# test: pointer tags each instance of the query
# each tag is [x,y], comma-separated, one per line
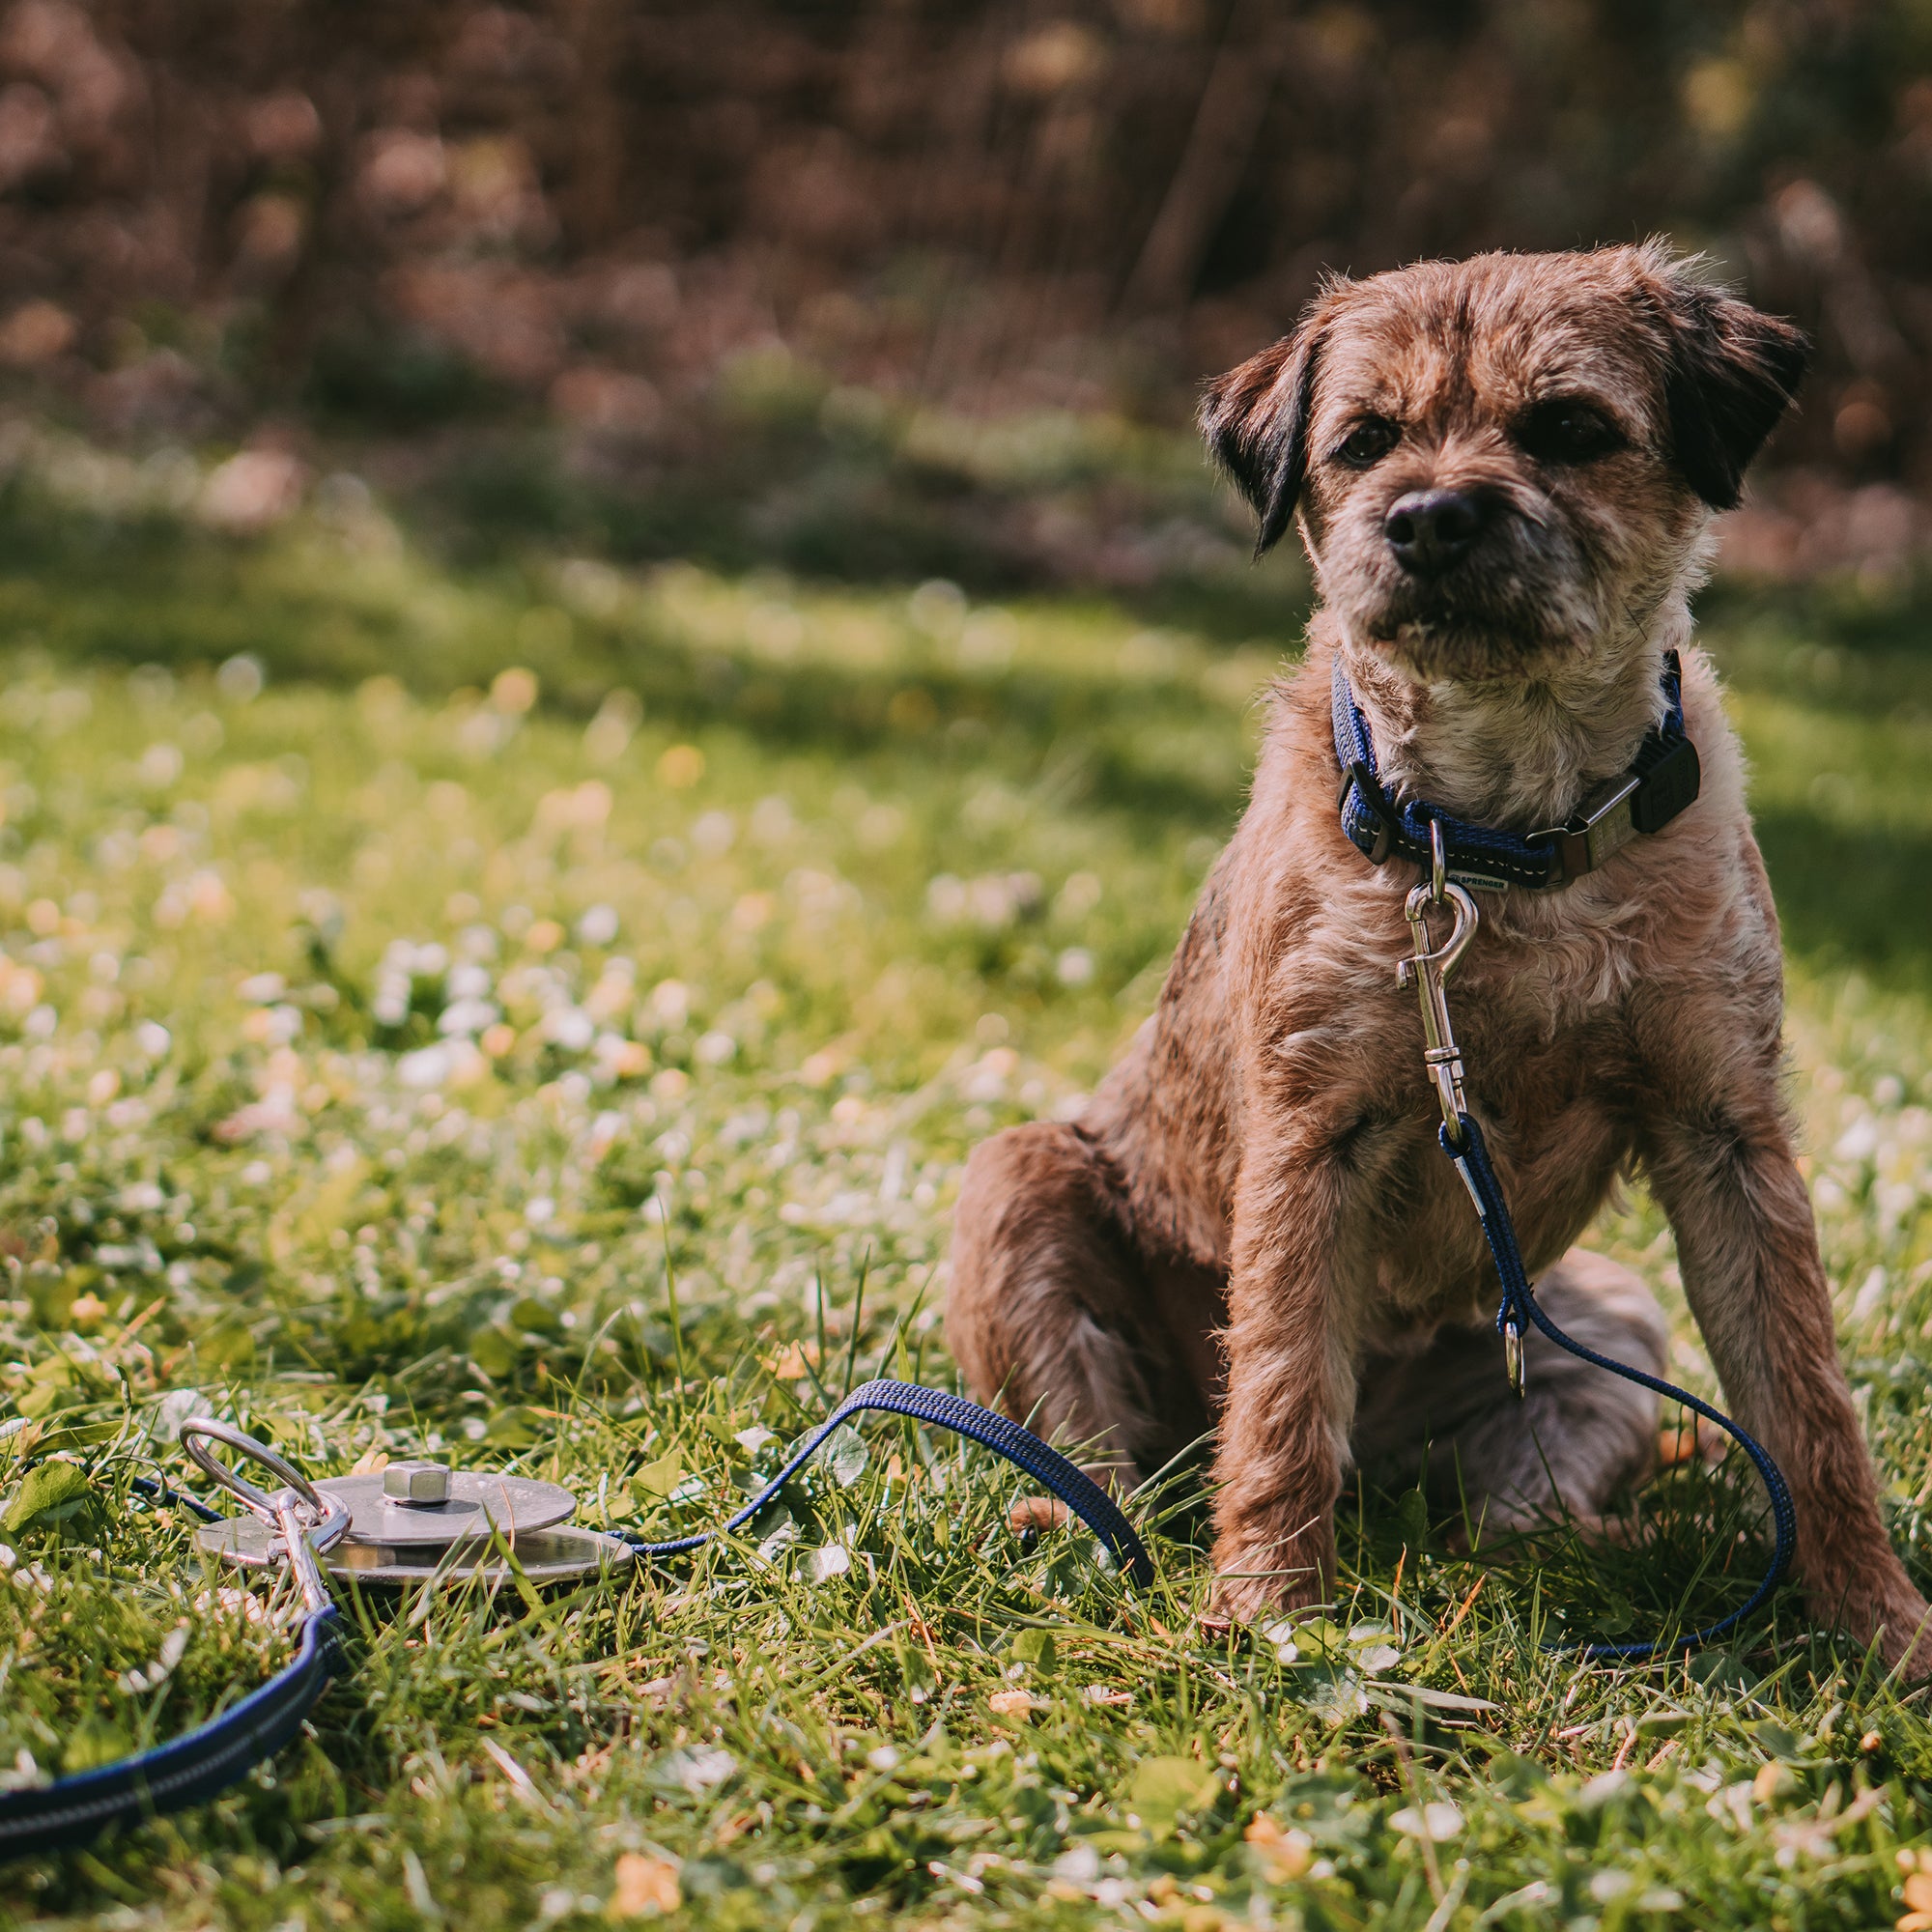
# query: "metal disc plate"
[478,1503]
[554,1555]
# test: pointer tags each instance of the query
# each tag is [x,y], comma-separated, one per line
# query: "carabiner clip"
[1513,1359]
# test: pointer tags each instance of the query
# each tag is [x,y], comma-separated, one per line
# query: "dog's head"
[1501,461]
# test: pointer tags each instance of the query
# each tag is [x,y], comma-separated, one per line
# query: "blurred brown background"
[911,285]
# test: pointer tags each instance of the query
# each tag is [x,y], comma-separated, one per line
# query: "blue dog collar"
[1660,782]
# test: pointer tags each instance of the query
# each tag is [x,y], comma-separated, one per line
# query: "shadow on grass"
[1046,504]
[1849,901]
[155,592]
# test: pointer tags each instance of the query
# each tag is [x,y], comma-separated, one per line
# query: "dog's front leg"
[1283,1427]
[1722,1169]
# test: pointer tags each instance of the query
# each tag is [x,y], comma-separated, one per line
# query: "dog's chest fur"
[1282,1037]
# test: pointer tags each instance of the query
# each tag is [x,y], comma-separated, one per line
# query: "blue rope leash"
[204,1761]
[185,1769]
[1519,1303]
[1046,1465]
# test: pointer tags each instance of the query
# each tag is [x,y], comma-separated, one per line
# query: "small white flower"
[570,1028]
[697,1770]
[468,1017]
[829,1560]
[1439,1821]
[598,926]
[428,1067]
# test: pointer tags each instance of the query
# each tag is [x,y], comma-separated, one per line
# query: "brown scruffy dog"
[1503,471]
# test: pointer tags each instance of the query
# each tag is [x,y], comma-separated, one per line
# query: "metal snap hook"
[1428,970]
[1438,861]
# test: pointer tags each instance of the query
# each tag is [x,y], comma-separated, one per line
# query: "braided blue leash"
[202,1762]
[1046,1465]
[1520,1304]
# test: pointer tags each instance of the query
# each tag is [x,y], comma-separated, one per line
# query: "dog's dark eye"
[1369,441]
[1568,432]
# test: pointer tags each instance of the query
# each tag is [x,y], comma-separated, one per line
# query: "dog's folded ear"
[1256,422]
[1732,371]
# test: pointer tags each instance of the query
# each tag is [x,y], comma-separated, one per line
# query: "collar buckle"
[1602,826]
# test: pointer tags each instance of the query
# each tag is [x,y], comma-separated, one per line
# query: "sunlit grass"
[411,978]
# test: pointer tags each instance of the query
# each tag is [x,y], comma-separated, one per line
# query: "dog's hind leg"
[1578,1433]
[1050,1311]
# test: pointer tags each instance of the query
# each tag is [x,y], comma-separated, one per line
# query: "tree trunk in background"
[1220,145]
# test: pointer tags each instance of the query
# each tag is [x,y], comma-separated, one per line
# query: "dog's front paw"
[1247,1600]
[1882,1605]
[1906,1636]
[1255,1582]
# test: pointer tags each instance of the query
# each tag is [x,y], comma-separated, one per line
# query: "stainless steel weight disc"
[416,1520]
[466,1504]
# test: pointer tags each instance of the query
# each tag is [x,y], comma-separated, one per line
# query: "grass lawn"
[569,1068]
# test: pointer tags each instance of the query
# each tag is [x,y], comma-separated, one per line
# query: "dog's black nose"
[1429,530]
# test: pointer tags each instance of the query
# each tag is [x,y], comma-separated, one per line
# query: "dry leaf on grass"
[645,1885]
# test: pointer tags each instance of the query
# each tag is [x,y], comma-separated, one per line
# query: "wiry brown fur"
[1251,1221]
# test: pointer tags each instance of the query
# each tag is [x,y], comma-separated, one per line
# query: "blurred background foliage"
[911,287]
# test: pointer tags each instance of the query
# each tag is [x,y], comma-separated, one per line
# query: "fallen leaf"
[793,1365]
[831,1559]
[644,1886]
[845,1454]
[1285,1855]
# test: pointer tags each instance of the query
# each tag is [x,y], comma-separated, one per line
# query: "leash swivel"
[1428,969]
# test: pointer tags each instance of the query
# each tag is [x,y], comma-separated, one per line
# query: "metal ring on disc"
[238,1484]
